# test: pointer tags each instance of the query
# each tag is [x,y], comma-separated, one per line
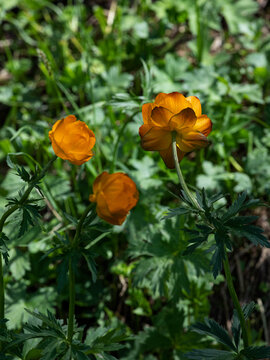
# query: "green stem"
[199,33]
[2,294]
[3,219]
[71,300]
[74,243]
[180,175]
[80,224]
[235,300]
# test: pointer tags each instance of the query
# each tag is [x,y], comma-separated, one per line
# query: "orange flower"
[72,140]
[174,113]
[115,194]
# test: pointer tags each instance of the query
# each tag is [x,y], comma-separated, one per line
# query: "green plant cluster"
[144,290]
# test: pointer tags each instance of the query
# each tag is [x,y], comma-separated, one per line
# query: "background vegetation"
[101,61]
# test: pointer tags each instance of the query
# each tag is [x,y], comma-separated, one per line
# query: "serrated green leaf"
[256,352]
[175,212]
[193,244]
[30,216]
[23,174]
[239,221]
[252,233]
[215,198]
[236,327]
[210,354]
[235,207]
[212,328]
[248,309]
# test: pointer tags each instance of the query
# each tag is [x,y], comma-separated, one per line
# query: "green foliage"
[223,227]
[144,283]
[211,328]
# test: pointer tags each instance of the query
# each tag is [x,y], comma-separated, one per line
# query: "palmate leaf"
[53,342]
[48,320]
[212,328]
[256,352]
[210,354]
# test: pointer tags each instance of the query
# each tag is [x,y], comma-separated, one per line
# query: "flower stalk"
[74,243]
[225,261]
[180,175]
[235,300]
[71,300]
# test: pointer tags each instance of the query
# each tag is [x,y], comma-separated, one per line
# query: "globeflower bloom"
[174,113]
[72,140]
[115,194]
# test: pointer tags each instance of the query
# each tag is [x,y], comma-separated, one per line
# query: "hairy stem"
[71,300]
[180,175]
[235,300]
[71,279]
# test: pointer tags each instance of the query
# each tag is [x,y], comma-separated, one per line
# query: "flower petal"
[191,140]
[167,156]
[196,104]
[104,213]
[146,112]
[156,139]
[161,116]
[174,102]
[185,119]
[203,124]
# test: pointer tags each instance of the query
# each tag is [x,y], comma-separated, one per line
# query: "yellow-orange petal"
[99,181]
[175,102]
[79,159]
[167,157]
[156,139]
[146,112]
[160,116]
[104,213]
[59,128]
[203,124]
[144,129]
[57,150]
[185,119]
[191,140]
[196,104]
